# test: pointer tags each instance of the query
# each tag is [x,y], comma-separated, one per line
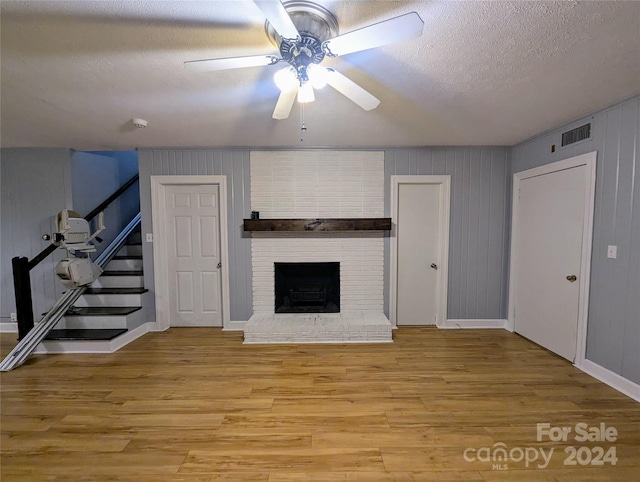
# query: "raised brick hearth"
[347,327]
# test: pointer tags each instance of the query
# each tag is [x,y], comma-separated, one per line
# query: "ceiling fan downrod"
[315,25]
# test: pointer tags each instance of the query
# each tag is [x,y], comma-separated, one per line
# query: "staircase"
[110,306]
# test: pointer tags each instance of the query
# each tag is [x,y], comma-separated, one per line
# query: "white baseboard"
[234,326]
[51,347]
[473,324]
[10,327]
[612,379]
[131,335]
[315,342]
[156,327]
[449,324]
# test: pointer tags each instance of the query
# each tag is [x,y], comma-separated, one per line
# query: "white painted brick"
[320,184]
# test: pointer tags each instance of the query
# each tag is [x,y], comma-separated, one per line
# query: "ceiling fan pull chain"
[303,127]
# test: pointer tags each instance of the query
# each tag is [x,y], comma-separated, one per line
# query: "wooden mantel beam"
[326,224]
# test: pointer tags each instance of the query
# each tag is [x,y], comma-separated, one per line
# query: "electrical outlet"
[149,237]
[14,317]
[612,252]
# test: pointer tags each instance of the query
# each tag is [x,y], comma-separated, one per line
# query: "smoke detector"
[139,123]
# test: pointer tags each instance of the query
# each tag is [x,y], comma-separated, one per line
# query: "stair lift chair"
[74,235]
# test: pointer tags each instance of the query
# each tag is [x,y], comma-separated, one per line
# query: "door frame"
[588,160]
[444,182]
[160,264]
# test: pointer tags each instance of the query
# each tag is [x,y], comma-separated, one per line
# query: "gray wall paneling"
[479,228]
[233,163]
[35,186]
[613,329]
[94,177]
[478,282]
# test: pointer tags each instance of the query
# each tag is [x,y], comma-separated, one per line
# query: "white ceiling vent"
[576,135]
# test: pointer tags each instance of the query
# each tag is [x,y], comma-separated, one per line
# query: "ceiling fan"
[305,33]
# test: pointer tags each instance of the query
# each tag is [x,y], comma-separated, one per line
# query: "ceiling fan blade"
[395,29]
[285,103]
[351,90]
[278,18]
[231,63]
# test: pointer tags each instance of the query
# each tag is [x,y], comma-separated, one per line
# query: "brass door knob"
[572,278]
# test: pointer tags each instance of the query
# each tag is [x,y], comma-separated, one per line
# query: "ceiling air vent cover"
[576,135]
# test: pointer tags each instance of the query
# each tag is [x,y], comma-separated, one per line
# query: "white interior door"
[193,255]
[549,234]
[418,253]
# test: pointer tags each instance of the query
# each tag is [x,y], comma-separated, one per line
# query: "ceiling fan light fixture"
[305,33]
[305,93]
[317,76]
[286,79]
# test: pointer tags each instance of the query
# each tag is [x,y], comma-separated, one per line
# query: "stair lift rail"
[32,339]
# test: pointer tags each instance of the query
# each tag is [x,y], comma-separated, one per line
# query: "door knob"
[572,278]
[434,266]
[220,265]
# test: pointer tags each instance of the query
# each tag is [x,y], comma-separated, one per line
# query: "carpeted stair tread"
[83,334]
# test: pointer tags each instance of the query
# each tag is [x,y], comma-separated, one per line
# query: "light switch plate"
[612,252]
[149,237]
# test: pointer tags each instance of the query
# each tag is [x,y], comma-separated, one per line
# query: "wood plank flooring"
[195,405]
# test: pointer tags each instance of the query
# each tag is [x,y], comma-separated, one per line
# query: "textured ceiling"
[483,73]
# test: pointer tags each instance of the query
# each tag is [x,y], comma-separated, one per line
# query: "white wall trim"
[51,347]
[612,379]
[161,276]
[474,324]
[318,342]
[9,327]
[234,326]
[443,241]
[588,160]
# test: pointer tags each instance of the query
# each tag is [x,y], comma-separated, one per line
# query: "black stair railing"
[22,267]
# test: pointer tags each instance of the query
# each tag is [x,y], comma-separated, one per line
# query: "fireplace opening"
[307,287]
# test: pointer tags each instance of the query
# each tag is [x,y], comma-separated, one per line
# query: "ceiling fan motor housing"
[315,25]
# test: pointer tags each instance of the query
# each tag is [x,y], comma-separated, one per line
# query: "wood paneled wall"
[479,226]
[35,186]
[479,241]
[94,177]
[219,162]
[613,328]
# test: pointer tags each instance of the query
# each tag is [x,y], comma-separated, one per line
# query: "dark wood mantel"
[326,224]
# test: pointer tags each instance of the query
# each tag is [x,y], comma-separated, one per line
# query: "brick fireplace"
[319,184]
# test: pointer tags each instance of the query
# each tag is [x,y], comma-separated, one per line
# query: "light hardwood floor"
[196,405]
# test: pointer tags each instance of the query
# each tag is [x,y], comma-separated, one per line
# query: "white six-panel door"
[192,238]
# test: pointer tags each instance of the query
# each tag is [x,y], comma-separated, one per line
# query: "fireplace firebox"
[307,287]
